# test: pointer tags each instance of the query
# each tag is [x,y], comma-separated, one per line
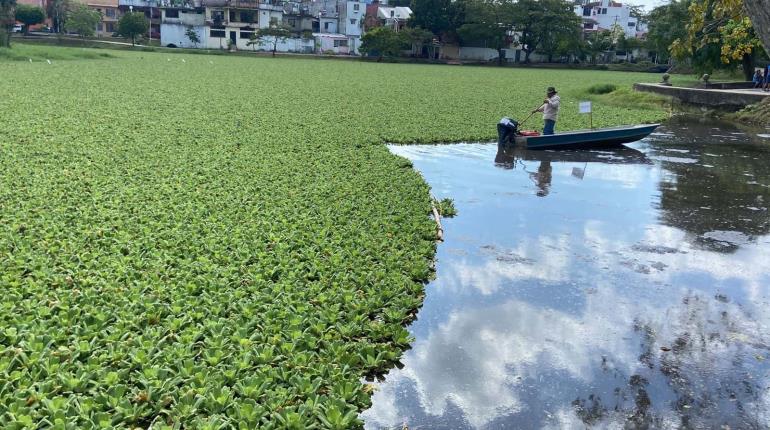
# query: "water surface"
[602,289]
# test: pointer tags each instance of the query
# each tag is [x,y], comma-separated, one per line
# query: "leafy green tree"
[133,24]
[599,43]
[665,26]
[192,36]
[273,34]
[418,38]
[573,46]
[440,17]
[58,10]
[382,41]
[29,15]
[540,24]
[558,23]
[7,20]
[82,20]
[488,23]
[718,33]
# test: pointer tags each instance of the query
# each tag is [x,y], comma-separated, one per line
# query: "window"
[172,13]
[632,24]
[588,26]
[355,6]
[353,21]
[340,43]
[110,13]
[99,27]
[326,26]
[110,27]
[217,15]
[604,11]
[247,16]
[232,16]
[216,33]
[392,14]
[246,34]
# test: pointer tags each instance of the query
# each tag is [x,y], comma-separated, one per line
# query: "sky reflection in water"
[605,289]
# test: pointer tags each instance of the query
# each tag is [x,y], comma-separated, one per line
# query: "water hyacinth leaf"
[195,251]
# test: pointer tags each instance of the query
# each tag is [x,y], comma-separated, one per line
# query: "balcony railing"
[239,4]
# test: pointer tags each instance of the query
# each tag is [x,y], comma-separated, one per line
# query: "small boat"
[594,138]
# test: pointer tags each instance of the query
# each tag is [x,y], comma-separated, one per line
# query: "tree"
[718,32]
[541,23]
[192,35]
[573,46]
[82,20]
[273,34]
[665,26]
[440,17]
[598,43]
[418,38]
[759,13]
[7,20]
[133,24]
[58,10]
[382,41]
[558,22]
[29,15]
[488,23]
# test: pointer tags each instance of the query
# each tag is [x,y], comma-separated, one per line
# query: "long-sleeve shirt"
[550,108]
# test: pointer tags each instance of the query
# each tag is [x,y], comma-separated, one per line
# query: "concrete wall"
[174,34]
[305,46]
[477,54]
[723,99]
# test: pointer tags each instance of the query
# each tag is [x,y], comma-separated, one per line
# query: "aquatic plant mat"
[211,242]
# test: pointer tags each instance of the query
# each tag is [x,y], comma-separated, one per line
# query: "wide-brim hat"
[551,90]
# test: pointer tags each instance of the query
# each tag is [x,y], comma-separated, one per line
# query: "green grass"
[225,241]
[602,89]
[25,52]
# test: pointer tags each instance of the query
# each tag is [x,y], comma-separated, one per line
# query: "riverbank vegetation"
[212,241]
[27,52]
[756,114]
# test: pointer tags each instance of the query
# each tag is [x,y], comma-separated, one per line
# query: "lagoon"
[605,289]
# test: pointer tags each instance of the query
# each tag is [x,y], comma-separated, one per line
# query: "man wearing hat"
[550,109]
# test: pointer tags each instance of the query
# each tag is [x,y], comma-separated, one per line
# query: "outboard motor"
[507,128]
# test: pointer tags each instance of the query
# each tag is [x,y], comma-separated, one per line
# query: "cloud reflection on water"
[582,308]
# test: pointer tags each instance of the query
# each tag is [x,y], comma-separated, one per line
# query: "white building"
[602,15]
[319,26]
[394,17]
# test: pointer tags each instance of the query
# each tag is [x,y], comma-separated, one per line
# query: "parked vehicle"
[18,28]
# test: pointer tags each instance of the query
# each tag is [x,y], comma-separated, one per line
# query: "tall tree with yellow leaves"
[720,24]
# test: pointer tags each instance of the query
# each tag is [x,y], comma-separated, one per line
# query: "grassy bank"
[26,52]
[757,114]
[211,241]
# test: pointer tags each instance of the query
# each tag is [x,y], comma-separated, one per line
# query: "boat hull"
[597,138]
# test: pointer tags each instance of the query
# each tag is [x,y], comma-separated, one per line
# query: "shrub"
[602,88]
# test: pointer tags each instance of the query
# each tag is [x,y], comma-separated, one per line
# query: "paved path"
[732,99]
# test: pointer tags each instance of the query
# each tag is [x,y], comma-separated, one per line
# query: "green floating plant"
[197,245]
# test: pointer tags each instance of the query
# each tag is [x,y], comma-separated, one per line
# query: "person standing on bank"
[550,110]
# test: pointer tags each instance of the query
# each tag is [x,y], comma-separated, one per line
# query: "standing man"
[767,77]
[550,109]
